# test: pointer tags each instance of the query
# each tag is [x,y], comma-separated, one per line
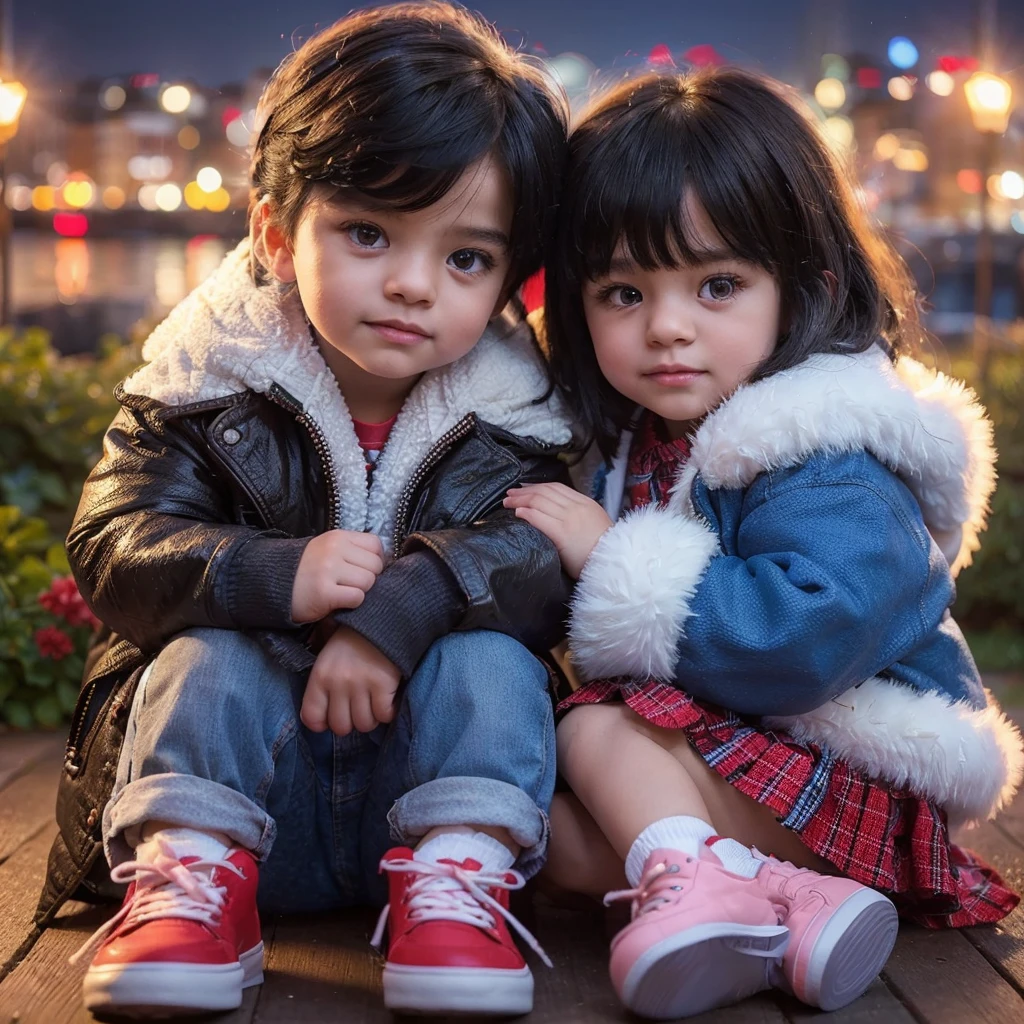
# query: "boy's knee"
[481,661]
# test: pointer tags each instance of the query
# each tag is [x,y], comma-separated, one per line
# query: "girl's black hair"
[771,188]
[395,103]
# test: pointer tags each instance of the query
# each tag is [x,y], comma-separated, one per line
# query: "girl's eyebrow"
[488,235]
[627,265]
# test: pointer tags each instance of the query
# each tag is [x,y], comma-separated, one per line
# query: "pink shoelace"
[449,892]
[645,897]
[165,888]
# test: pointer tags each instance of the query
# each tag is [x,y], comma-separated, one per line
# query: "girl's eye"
[367,236]
[718,288]
[471,261]
[620,295]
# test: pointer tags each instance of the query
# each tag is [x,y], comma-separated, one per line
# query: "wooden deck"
[322,968]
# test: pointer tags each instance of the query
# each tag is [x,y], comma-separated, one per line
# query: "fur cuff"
[634,594]
[967,760]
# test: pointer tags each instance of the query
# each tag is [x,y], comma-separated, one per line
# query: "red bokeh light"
[660,54]
[969,180]
[229,114]
[703,56]
[868,78]
[70,225]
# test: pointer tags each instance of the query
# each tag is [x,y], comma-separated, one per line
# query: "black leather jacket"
[197,515]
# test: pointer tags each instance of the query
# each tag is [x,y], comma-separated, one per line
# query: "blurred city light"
[1017,221]
[941,83]
[147,196]
[660,55]
[12,100]
[149,168]
[1011,184]
[901,88]
[113,197]
[840,131]
[989,98]
[969,181]
[19,197]
[910,159]
[44,198]
[195,197]
[209,179]
[886,146]
[167,197]
[572,70]
[78,192]
[56,173]
[869,78]
[70,225]
[834,66]
[113,97]
[902,52]
[175,99]
[830,94]
[237,133]
[218,201]
[188,137]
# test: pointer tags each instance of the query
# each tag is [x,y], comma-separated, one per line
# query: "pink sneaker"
[841,932]
[700,937]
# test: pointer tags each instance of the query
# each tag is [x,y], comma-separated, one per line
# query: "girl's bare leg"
[627,774]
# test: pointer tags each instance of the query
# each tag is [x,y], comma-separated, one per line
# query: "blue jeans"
[214,742]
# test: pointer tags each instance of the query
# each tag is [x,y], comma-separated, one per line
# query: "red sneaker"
[449,949]
[186,940]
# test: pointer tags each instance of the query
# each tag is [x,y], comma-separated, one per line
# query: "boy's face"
[392,294]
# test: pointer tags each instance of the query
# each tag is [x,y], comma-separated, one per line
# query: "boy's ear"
[272,246]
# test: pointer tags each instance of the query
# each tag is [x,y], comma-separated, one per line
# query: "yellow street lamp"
[990,99]
[12,102]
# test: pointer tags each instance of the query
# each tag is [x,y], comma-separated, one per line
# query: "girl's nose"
[671,324]
[411,281]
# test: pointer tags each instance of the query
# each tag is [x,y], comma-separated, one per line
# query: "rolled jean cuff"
[189,802]
[468,800]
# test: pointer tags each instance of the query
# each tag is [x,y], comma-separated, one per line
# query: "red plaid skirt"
[883,837]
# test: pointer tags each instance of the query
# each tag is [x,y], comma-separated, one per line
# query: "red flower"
[53,643]
[64,600]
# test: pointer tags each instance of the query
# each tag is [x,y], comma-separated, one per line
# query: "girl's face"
[679,341]
[394,294]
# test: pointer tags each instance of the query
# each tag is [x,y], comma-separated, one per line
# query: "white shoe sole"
[155,990]
[457,990]
[702,968]
[851,950]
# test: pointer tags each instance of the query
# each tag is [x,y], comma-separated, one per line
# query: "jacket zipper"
[440,448]
[71,766]
[280,397]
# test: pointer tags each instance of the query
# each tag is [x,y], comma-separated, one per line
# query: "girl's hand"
[351,686]
[573,522]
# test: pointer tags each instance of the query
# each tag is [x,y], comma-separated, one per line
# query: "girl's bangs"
[646,182]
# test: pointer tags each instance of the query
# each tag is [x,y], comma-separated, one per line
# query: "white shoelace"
[164,888]
[448,892]
[641,900]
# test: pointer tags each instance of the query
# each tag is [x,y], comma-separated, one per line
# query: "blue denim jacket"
[802,572]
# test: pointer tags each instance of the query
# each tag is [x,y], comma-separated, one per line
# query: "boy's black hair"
[770,187]
[395,103]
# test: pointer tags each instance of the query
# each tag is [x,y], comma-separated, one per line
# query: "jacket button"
[232,436]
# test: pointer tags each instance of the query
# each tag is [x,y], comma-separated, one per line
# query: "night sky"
[215,41]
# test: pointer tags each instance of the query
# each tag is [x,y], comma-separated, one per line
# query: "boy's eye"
[718,288]
[366,235]
[470,261]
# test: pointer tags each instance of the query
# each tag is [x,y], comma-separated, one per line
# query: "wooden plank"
[943,979]
[27,805]
[21,881]
[878,1005]
[44,988]
[20,750]
[321,968]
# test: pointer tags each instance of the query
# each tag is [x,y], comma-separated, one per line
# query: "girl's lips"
[399,335]
[674,377]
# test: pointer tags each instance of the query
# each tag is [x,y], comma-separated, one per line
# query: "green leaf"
[47,711]
[57,559]
[17,714]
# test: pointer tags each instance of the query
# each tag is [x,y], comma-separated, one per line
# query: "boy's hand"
[351,685]
[336,570]
[573,522]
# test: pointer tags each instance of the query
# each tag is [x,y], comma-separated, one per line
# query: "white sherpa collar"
[926,427]
[230,335]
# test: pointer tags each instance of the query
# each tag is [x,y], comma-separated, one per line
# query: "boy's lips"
[399,331]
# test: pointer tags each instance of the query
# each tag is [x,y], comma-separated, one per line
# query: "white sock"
[736,857]
[183,842]
[457,846]
[681,832]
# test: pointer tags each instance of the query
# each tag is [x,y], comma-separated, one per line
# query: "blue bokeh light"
[902,52]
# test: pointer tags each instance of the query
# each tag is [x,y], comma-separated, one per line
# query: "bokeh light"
[175,99]
[218,201]
[188,137]
[167,197]
[840,131]
[113,197]
[237,133]
[886,146]
[1017,221]
[209,179]
[941,83]
[830,94]
[901,88]
[78,192]
[834,66]
[147,196]
[1011,184]
[902,52]
[969,180]
[910,158]
[44,198]
[113,97]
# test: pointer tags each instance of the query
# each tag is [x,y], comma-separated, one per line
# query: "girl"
[299,508]
[766,630]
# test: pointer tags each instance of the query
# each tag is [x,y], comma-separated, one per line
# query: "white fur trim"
[927,428]
[968,760]
[634,594]
[230,335]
